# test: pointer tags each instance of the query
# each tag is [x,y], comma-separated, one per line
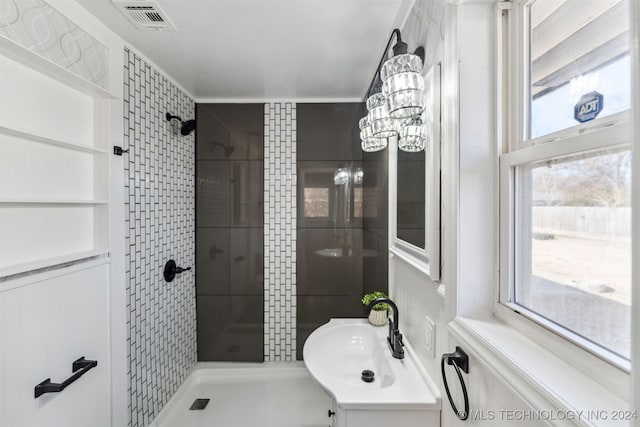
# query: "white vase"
[378,317]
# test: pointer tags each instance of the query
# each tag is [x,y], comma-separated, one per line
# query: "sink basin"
[336,354]
[337,253]
[330,252]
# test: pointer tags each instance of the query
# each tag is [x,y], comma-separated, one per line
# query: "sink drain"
[368,376]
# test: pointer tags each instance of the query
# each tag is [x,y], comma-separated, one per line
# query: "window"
[316,202]
[566,177]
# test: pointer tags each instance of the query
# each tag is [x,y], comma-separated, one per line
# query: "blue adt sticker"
[588,107]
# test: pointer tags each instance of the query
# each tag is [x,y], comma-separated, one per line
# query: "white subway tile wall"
[159,203]
[280,232]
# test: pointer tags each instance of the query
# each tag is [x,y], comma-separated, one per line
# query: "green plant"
[366,300]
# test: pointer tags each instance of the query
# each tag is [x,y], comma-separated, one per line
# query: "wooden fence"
[587,222]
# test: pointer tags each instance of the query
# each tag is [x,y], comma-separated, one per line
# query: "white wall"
[469,170]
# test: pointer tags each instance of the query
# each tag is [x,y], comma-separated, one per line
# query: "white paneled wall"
[417,297]
[280,180]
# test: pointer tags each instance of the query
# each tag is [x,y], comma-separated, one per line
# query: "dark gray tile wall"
[159,210]
[327,131]
[375,229]
[330,211]
[229,231]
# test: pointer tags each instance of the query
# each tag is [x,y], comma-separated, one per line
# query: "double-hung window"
[565,175]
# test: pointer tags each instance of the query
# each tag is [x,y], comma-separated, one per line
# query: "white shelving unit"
[52,202]
[47,262]
[54,164]
[19,133]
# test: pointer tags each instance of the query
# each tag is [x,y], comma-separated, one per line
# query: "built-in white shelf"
[50,262]
[53,202]
[19,53]
[55,165]
[20,133]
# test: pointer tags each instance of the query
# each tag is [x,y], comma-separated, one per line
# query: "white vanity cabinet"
[385,418]
[46,323]
[401,393]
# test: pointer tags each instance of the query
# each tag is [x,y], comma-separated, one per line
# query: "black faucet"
[395,337]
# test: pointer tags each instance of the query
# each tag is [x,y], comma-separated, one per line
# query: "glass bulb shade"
[358,176]
[403,81]
[365,128]
[341,176]
[405,104]
[369,142]
[407,62]
[363,124]
[413,137]
[382,126]
[376,100]
[373,144]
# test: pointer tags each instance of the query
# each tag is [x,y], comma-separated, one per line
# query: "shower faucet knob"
[171,269]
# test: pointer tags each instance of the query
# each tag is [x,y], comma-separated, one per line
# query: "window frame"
[517,149]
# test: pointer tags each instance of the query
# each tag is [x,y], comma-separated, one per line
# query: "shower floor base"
[248,395]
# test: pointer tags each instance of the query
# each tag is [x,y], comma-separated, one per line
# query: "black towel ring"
[459,360]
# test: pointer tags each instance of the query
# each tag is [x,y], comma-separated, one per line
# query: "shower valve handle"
[171,269]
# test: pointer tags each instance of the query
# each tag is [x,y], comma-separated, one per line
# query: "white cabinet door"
[46,324]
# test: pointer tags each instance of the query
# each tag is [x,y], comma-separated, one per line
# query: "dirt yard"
[595,266]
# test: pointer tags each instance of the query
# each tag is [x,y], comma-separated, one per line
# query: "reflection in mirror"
[411,198]
[331,196]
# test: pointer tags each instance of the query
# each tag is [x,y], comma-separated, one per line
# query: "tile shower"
[270,203]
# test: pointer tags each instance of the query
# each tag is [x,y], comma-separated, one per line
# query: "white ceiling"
[251,50]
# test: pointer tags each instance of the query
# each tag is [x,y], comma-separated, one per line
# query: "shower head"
[228,150]
[186,127]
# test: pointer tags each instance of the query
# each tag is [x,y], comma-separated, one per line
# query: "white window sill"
[539,377]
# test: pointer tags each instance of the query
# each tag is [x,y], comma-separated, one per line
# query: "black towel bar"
[79,367]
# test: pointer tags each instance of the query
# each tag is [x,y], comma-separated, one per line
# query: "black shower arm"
[170,117]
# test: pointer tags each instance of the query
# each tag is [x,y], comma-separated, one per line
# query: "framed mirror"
[414,181]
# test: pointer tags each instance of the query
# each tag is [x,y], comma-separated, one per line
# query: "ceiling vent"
[144,14]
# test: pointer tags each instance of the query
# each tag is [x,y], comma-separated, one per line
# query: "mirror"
[415,188]
[410,201]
